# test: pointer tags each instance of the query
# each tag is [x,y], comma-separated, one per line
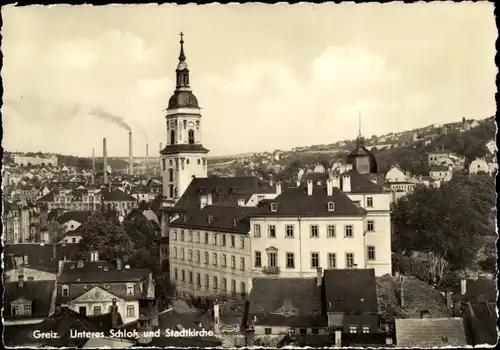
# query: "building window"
[183,275]
[190,255]
[370,225]
[332,260]
[315,331]
[190,237]
[272,259]
[331,206]
[331,231]
[130,311]
[207,281]
[314,231]
[289,231]
[314,260]
[97,310]
[31,278]
[268,331]
[197,237]
[274,207]
[206,258]
[182,253]
[242,242]
[349,260]
[182,235]
[233,262]
[206,237]
[198,280]
[191,277]
[174,252]
[353,329]
[171,175]
[366,329]
[185,124]
[198,256]
[243,288]
[256,230]
[370,253]
[233,286]
[176,274]
[272,231]
[224,260]
[223,240]
[348,231]
[290,261]
[27,310]
[258,261]
[369,202]
[233,242]
[215,239]
[199,161]
[242,264]
[214,259]
[215,282]
[65,291]
[174,234]
[191,136]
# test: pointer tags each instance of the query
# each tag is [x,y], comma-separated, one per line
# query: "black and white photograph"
[249,175]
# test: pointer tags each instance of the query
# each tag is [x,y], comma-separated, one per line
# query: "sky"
[266,76]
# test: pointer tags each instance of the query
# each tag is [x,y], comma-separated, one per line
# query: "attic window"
[105,268]
[72,266]
[185,217]
[210,219]
[107,286]
[274,207]
[99,266]
[86,287]
[236,222]
[331,206]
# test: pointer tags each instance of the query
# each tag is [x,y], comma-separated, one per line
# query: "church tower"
[361,159]
[184,157]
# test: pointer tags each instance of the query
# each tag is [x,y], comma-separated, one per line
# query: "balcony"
[271,270]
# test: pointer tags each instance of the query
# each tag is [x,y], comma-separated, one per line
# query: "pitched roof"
[78,216]
[116,196]
[361,183]
[94,271]
[351,290]
[287,301]
[482,289]
[38,292]
[296,201]
[43,255]
[430,332]
[224,190]
[222,219]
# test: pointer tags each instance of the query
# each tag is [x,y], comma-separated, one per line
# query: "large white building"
[36,160]
[218,233]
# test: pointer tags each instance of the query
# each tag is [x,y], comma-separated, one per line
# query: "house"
[92,287]
[479,165]
[430,332]
[492,146]
[71,220]
[27,302]
[440,173]
[73,236]
[351,300]
[280,306]
[120,201]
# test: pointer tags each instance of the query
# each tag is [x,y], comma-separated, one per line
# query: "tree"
[165,289]
[440,223]
[489,264]
[56,232]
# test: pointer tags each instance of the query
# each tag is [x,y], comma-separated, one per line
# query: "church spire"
[360,141]
[359,124]
[182,56]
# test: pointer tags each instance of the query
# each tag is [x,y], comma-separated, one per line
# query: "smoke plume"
[110,118]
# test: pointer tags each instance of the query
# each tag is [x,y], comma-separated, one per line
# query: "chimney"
[241,202]
[209,199]
[20,281]
[79,264]
[105,156]
[309,187]
[203,201]
[329,187]
[338,338]
[319,276]
[336,181]
[147,158]
[463,286]
[119,264]
[216,317]
[278,188]
[130,160]
[346,183]
[25,260]
[93,166]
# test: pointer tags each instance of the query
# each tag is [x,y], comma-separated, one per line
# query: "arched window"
[191,136]
[172,137]
[198,125]
[171,175]
[185,124]
[171,191]
[185,79]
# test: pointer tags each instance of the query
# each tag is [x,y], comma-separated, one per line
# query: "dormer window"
[210,219]
[130,289]
[331,206]
[274,207]
[236,222]
[65,291]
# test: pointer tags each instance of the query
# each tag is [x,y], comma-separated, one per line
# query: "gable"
[21,301]
[96,294]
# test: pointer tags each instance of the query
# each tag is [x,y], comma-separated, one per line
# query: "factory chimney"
[105,156]
[130,160]
[147,158]
[93,167]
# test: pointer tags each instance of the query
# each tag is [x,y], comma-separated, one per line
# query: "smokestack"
[130,165]
[105,156]
[93,167]
[147,158]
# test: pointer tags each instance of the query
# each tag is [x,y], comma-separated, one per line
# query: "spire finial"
[359,124]
[182,57]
